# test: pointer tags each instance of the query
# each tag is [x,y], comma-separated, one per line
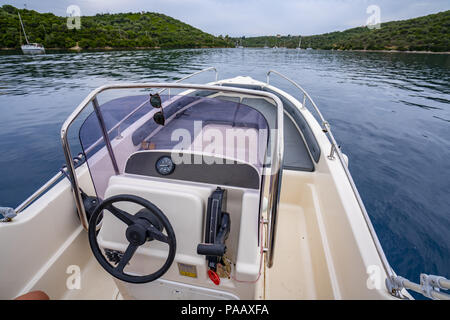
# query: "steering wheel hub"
[136,234]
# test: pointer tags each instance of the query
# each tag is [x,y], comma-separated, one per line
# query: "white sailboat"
[30,48]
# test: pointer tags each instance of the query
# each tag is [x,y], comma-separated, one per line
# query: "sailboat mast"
[20,35]
[23,28]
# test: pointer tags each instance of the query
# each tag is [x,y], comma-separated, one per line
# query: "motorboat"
[225,190]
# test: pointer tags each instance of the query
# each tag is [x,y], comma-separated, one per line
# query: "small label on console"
[187,270]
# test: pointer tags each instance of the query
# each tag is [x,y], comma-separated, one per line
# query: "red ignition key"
[214,277]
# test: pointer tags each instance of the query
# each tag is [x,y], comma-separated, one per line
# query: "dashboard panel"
[199,168]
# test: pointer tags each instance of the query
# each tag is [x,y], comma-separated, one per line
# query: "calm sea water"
[389,112]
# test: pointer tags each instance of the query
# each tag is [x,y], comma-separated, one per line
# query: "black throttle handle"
[211,249]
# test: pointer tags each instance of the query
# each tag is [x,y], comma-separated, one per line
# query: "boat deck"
[96,284]
[300,266]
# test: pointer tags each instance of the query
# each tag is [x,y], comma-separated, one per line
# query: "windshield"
[221,126]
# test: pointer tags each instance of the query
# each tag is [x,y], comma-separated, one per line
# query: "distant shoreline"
[351,50]
[74,49]
[399,51]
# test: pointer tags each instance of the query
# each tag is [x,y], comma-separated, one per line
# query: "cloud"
[253,17]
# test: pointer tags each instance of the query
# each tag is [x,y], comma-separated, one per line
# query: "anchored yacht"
[225,190]
[30,48]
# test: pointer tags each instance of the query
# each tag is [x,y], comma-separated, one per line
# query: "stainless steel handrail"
[276,164]
[335,149]
[194,74]
[105,134]
[39,192]
[325,125]
[116,126]
[301,89]
[430,286]
[55,178]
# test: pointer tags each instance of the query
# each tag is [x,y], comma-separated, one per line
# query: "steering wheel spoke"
[131,249]
[157,235]
[125,217]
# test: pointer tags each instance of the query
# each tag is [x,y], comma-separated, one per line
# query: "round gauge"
[165,165]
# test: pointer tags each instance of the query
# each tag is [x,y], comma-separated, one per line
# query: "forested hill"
[428,33]
[123,30]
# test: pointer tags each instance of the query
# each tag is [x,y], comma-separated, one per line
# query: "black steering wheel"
[146,225]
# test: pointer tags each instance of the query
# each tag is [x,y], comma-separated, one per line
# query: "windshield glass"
[221,126]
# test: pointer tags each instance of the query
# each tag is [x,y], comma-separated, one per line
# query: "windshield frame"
[278,147]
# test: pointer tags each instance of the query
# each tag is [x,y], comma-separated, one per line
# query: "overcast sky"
[253,17]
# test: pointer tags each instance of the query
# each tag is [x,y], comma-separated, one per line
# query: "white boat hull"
[30,49]
[324,248]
